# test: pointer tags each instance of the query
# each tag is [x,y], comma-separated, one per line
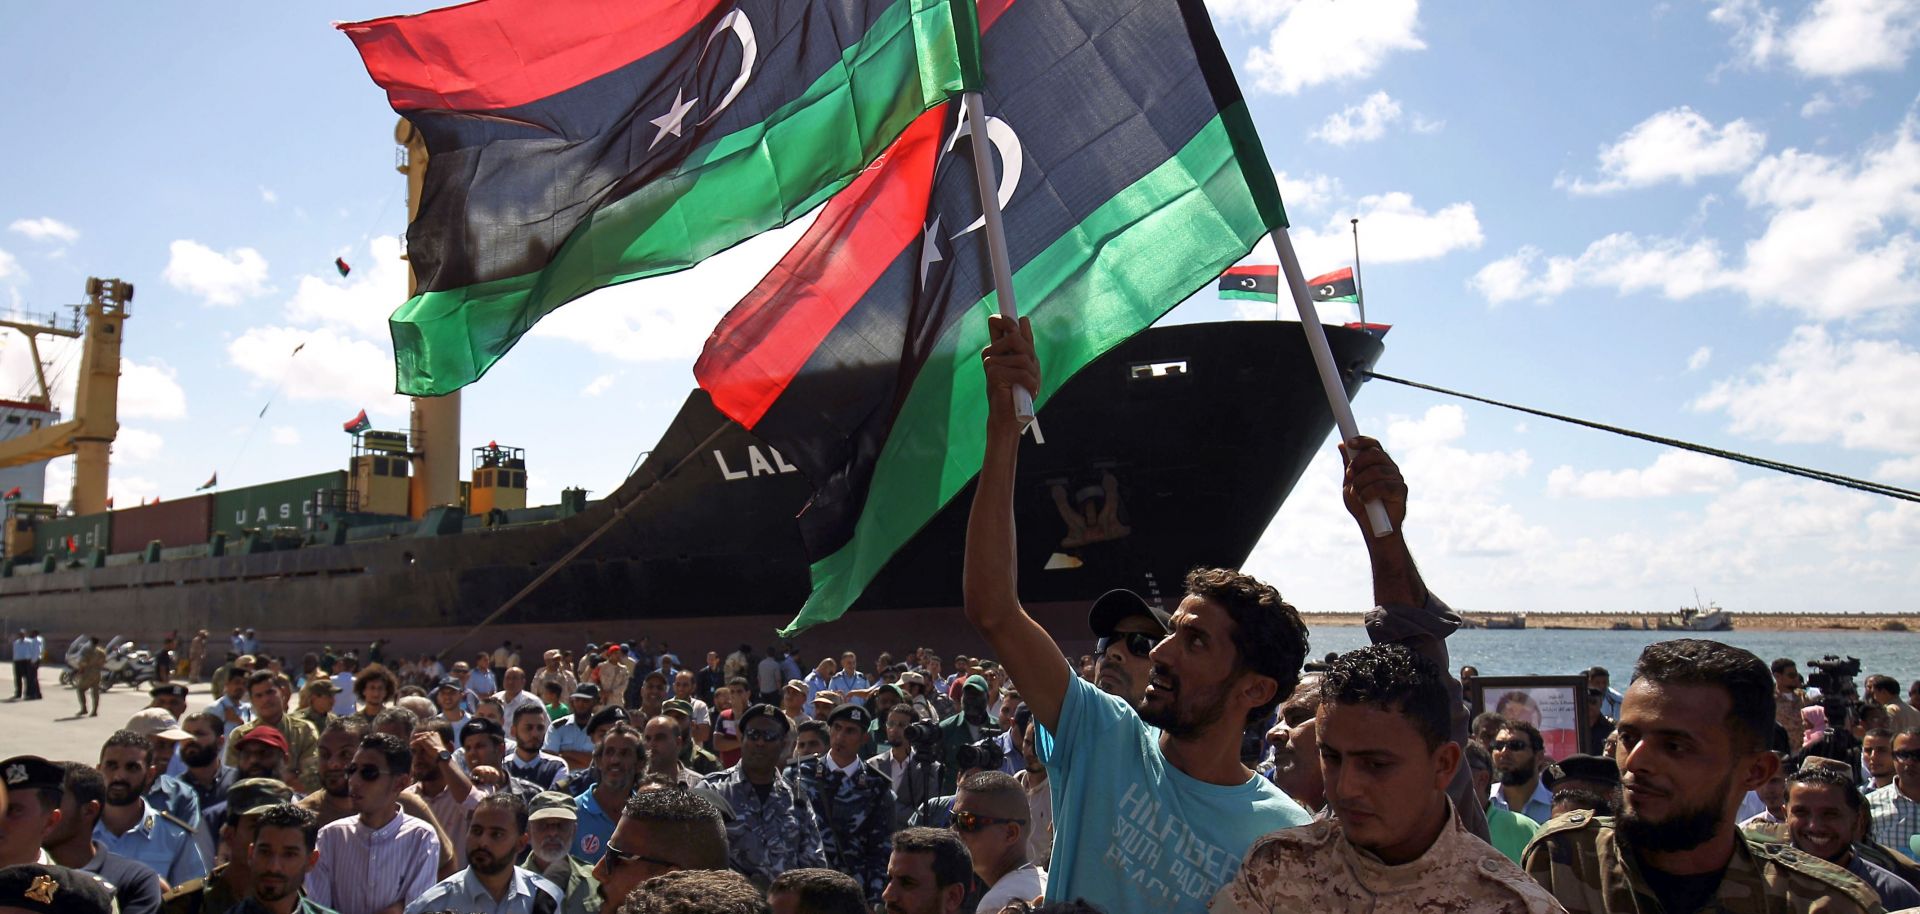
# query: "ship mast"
[435,433]
[89,434]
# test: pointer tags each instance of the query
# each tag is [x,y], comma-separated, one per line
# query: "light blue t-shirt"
[1133,834]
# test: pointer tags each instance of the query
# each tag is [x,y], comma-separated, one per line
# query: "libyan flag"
[1335,286]
[1130,177]
[1259,282]
[572,146]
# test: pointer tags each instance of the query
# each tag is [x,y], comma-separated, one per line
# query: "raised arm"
[991,584]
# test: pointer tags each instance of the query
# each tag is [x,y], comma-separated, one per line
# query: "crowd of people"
[1197,761]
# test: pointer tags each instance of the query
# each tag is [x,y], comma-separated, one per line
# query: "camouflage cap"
[252,796]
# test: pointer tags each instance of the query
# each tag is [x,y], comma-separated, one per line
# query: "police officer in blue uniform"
[131,827]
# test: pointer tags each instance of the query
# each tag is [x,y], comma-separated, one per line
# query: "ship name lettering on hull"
[756,464]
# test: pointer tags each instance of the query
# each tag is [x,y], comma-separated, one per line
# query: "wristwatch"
[445,756]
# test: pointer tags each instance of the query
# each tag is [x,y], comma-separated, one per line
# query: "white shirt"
[525,698]
[363,870]
[1028,882]
[463,892]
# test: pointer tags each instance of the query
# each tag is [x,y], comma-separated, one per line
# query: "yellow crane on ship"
[88,436]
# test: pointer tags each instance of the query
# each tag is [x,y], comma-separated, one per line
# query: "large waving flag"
[1130,177]
[576,145]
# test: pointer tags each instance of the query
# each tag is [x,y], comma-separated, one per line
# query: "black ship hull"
[1175,450]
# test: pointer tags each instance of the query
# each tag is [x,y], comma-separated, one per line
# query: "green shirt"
[1509,832]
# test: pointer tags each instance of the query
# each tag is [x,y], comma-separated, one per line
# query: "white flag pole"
[989,184]
[1323,360]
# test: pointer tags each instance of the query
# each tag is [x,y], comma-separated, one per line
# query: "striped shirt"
[1896,817]
[363,870]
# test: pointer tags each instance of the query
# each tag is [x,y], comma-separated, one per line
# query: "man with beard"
[164,791]
[1392,842]
[334,800]
[442,784]
[1127,629]
[172,697]
[83,793]
[282,854]
[484,745]
[1823,819]
[496,837]
[1896,807]
[270,710]
[568,737]
[1296,747]
[231,881]
[261,753]
[207,776]
[551,822]
[693,756]
[528,761]
[130,826]
[1516,759]
[660,832]
[376,861]
[773,828]
[618,760]
[1693,740]
[928,872]
[1507,831]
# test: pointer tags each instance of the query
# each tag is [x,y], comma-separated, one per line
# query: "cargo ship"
[1174,450]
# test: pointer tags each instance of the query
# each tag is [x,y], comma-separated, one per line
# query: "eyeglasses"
[1907,755]
[1511,745]
[969,823]
[1139,644]
[367,772]
[618,857]
[762,736]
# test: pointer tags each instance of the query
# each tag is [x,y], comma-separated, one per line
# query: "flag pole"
[1359,291]
[1323,360]
[989,184]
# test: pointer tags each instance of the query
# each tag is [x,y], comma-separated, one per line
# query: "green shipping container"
[287,503]
[51,536]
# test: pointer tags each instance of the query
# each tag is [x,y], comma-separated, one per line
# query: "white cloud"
[134,446]
[1307,193]
[131,491]
[1818,388]
[267,195]
[9,266]
[150,390]
[1321,41]
[1831,38]
[1839,242]
[286,435]
[1393,229]
[1905,469]
[1360,123]
[1423,124]
[669,317]
[363,300]
[1672,473]
[1822,102]
[334,367]
[1673,145]
[598,385]
[1700,358]
[46,228]
[219,279]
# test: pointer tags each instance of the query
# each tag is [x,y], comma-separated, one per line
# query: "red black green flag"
[1130,177]
[572,146]
[340,263]
[1335,286]
[1256,282]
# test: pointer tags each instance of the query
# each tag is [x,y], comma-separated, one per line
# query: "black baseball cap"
[482,726]
[172,688]
[849,711]
[1118,604]
[587,690]
[1582,767]
[765,710]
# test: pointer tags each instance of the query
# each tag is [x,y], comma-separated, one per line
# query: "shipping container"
[51,536]
[182,522]
[287,503]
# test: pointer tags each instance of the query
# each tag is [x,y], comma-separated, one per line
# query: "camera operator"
[1838,699]
[980,755]
[965,728]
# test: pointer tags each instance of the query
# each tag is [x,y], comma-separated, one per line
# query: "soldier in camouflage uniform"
[1692,743]
[854,802]
[773,829]
[1393,842]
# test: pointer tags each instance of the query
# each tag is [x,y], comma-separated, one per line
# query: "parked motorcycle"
[126,664]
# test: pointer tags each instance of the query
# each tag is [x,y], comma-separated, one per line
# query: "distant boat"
[1508,620]
[1708,618]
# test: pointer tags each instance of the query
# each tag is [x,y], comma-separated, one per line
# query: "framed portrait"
[1555,704]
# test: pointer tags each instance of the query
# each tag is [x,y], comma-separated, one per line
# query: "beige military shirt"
[1586,864]
[303,762]
[1315,868]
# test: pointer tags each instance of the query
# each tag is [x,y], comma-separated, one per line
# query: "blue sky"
[1695,218]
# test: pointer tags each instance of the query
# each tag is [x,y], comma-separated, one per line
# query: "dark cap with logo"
[1115,605]
[1581,768]
[768,711]
[31,772]
[253,796]
[481,726]
[849,711]
[43,889]
[170,689]
[587,690]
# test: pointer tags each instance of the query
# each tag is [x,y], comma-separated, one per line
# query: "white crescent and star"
[1013,158]
[674,121]
[1249,283]
[1326,291]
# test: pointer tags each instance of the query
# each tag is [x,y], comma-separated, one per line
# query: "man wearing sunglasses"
[660,832]
[377,861]
[1896,807]
[1127,629]
[993,820]
[1516,760]
[773,828]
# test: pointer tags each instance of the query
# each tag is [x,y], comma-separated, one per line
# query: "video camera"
[1833,676]
[923,734]
[985,755]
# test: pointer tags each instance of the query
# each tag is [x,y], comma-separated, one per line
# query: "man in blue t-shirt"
[1153,810]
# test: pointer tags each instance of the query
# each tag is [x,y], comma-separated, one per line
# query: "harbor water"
[1547,652]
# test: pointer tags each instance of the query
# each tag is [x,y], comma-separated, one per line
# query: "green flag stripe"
[1140,253]
[1238,295]
[752,180]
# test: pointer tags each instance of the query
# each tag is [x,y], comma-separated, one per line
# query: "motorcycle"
[126,664]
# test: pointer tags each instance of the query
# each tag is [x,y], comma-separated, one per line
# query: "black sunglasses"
[1138,643]
[617,857]
[368,772]
[1511,745]
[762,736]
[969,823]
[1908,755]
